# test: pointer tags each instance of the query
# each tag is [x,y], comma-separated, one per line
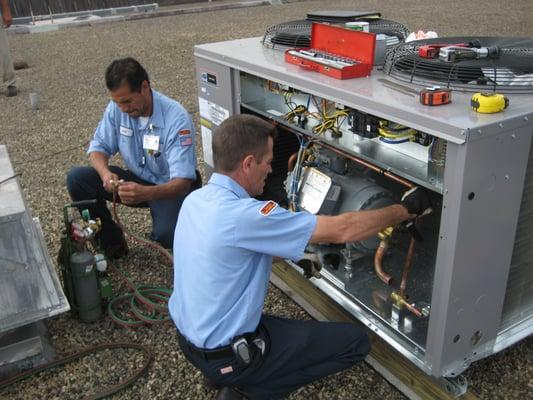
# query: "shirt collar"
[226,182]
[156,119]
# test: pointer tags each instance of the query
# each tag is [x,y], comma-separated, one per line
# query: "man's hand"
[110,181]
[132,193]
[417,202]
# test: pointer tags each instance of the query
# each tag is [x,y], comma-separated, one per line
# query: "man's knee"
[360,344]
[74,177]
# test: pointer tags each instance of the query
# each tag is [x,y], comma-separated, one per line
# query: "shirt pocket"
[157,165]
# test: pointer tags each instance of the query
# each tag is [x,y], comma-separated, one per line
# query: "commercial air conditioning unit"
[465,290]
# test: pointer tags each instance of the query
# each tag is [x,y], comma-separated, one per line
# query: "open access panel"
[462,292]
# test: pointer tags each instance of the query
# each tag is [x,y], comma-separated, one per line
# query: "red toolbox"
[336,51]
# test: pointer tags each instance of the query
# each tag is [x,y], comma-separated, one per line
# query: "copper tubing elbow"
[378,263]
[292,161]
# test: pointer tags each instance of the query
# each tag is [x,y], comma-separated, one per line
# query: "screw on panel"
[507,177]
[513,136]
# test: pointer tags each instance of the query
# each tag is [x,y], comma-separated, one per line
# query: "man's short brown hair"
[239,136]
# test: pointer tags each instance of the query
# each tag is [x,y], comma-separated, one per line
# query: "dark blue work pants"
[84,183]
[298,352]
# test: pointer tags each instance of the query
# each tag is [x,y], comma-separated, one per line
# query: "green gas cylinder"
[85,284]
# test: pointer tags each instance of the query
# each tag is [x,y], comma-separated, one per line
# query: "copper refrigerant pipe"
[292,161]
[378,263]
[370,166]
[407,266]
[402,302]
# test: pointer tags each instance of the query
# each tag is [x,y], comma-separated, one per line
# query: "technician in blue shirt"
[222,263]
[155,138]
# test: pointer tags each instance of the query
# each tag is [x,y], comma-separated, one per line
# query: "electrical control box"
[462,292]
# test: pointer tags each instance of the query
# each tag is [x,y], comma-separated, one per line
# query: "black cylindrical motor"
[86,292]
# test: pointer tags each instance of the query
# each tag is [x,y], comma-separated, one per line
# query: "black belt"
[207,354]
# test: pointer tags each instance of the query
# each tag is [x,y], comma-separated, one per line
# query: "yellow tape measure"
[489,103]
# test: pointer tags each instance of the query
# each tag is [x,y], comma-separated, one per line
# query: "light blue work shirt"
[120,133]
[223,247]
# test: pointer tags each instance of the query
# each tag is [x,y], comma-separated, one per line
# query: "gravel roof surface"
[66,69]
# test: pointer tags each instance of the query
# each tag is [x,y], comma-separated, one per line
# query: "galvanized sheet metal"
[29,286]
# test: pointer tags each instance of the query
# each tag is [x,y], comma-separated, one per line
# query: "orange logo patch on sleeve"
[184,132]
[268,208]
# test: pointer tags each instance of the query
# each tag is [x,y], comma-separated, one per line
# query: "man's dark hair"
[239,136]
[126,70]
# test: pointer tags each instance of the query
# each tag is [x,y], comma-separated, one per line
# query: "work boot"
[11,91]
[229,393]
[116,249]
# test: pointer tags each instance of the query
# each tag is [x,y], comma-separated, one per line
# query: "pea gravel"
[66,70]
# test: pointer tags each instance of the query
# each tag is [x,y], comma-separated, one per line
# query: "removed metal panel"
[29,286]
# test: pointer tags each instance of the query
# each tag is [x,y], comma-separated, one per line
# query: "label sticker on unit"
[207,136]
[314,190]
[211,111]
[268,208]
[209,77]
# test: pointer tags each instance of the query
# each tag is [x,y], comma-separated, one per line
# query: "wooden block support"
[317,303]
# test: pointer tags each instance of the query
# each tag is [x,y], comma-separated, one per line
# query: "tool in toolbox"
[336,51]
[489,103]
[430,96]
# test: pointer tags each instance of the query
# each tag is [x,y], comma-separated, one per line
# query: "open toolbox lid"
[344,42]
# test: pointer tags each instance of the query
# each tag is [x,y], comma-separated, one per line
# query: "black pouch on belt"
[242,350]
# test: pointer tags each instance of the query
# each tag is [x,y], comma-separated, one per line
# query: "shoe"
[229,393]
[117,249]
[210,385]
[20,65]
[11,91]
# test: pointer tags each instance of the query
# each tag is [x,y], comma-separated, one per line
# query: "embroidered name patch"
[185,140]
[268,208]
[184,132]
[126,131]
[226,370]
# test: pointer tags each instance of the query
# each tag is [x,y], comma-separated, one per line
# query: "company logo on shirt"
[184,132]
[185,140]
[268,208]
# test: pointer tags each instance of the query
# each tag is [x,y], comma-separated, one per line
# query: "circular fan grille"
[298,33]
[510,69]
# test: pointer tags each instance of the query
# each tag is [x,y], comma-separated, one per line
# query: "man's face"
[135,104]
[260,170]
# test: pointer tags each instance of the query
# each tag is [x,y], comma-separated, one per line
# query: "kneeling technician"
[155,138]
[222,263]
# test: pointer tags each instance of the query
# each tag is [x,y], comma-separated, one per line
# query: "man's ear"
[247,162]
[145,86]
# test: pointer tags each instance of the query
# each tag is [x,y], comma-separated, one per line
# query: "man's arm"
[360,225]
[99,161]
[357,225]
[6,13]
[135,193]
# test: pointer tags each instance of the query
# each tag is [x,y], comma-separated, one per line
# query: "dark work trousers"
[297,353]
[84,183]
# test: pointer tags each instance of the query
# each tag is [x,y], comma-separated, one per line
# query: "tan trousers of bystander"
[7,73]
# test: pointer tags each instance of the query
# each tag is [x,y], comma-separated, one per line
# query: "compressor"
[83,267]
